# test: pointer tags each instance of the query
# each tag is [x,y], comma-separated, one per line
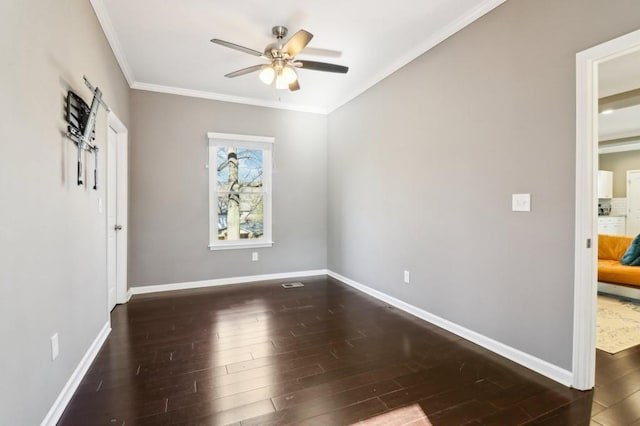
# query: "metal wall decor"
[81,121]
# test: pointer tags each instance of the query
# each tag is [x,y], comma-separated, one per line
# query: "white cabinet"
[611,225]
[605,184]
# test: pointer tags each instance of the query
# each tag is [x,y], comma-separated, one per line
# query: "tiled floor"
[323,354]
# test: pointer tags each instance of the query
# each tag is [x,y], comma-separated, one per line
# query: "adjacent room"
[618,189]
[315,213]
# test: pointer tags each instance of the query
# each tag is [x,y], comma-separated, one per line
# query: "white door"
[116,181]
[112,247]
[633,202]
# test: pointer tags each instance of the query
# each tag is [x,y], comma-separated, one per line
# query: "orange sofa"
[611,248]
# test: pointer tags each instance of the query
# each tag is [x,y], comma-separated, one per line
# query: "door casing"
[586,234]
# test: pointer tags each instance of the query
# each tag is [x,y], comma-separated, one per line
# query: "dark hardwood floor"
[616,399]
[323,354]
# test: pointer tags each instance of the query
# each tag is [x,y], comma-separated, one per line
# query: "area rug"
[618,324]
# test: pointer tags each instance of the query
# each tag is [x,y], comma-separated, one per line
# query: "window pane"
[223,206]
[240,216]
[239,169]
[249,168]
[221,167]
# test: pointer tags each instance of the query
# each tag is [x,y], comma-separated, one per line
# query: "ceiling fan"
[282,65]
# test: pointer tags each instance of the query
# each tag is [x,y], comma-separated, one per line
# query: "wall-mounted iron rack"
[81,121]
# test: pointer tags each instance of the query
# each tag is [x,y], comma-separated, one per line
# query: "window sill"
[241,245]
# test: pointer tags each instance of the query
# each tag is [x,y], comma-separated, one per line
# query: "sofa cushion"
[612,247]
[632,255]
[611,271]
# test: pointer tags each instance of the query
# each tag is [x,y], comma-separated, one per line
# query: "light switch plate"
[521,202]
[55,347]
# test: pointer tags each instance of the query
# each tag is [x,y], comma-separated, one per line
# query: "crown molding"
[226,98]
[457,25]
[110,32]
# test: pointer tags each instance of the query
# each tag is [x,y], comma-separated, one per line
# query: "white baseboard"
[58,407]
[223,281]
[619,290]
[538,365]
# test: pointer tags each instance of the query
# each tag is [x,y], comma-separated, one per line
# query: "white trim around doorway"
[585,289]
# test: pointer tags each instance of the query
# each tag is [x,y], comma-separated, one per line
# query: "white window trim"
[265,143]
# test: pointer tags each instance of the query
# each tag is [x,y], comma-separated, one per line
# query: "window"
[239,191]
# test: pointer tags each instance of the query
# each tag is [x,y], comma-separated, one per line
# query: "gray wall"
[53,240]
[440,146]
[422,167]
[169,225]
[619,163]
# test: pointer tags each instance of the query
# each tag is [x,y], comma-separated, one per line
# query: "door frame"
[122,170]
[586,233]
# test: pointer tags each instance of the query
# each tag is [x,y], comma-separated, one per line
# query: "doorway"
[585,276]
[116,184]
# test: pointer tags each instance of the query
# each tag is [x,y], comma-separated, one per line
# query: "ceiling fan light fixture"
[286,76]
[281,71]
[289,74]
[267,74]
[281,83]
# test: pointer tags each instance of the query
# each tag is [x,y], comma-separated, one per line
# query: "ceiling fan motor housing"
[274,50]
[279,31]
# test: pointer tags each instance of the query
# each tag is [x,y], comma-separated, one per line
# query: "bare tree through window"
[239,190]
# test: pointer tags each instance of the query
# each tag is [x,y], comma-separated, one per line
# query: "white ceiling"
[619,75]
[615,76]
[164,46]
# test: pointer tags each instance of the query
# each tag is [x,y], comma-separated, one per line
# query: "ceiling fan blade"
[236,47]
[294,86]
[297,42]
[327,53]
[322,66]
[244,71]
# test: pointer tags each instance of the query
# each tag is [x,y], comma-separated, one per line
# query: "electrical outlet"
[254,256]
[407,277]
[55,347]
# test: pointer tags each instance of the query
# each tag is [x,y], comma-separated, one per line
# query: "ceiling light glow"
[281,83]
[289,74]
[607,111]
[267,74]
[285,77]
